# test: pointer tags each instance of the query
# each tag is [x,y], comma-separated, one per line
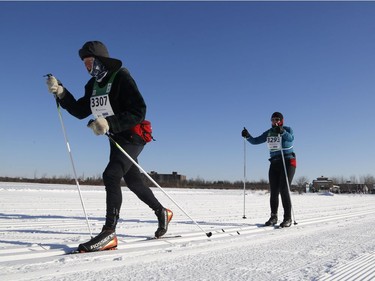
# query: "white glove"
[99,126]
[54,87]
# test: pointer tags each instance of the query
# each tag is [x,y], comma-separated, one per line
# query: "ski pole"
[244,177]
[287,180]
[71,157]
[209,234]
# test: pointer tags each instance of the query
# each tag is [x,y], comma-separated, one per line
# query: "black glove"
[245,133]
[279,129]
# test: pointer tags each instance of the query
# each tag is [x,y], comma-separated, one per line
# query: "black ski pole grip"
[89,123]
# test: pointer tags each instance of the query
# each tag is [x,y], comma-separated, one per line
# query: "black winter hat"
[98,50]
[277,115]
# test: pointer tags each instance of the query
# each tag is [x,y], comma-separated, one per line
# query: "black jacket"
[127,103]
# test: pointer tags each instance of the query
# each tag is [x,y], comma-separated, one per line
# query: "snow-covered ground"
[333,240]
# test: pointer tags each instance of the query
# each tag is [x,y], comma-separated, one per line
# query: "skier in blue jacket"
[278,137]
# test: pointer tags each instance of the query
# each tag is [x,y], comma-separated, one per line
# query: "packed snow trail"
[40,223]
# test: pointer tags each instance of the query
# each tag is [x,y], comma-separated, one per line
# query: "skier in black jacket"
[113,98]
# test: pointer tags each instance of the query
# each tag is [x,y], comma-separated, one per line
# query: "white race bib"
[274,143]
[100,105]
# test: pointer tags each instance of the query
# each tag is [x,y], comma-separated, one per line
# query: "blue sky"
[206,70]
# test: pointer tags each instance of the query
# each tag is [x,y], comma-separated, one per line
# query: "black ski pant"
[119,167]
[278,185]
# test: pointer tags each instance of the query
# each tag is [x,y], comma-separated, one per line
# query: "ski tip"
[209,234]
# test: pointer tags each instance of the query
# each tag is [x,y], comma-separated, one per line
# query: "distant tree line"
[299,184]
[190,183]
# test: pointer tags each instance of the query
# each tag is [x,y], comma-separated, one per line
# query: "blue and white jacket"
[287,138]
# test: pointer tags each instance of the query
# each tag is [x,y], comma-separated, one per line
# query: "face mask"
[98,70]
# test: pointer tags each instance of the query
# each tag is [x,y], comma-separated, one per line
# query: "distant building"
[322,183]
[350,187]
[173,179]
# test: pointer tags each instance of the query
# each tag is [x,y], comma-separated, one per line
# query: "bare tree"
[338,180]
[302,180]
[301,183]
[353,179]
[368,179]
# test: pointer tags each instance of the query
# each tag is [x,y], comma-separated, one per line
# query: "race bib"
[99,103]
[274,143]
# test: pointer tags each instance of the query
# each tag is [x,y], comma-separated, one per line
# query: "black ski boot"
[272,220]
[164,217]
[105,240]
[286,223]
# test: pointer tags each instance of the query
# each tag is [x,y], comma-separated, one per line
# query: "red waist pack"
[144,130]
[293,162]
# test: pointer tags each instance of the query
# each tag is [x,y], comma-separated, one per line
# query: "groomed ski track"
[134,245]
[35,245]
[359,269]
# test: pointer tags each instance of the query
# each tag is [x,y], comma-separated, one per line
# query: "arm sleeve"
[258,140]
[288,134]
[78,108]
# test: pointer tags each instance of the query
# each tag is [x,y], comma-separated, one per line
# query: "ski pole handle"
[90,121]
